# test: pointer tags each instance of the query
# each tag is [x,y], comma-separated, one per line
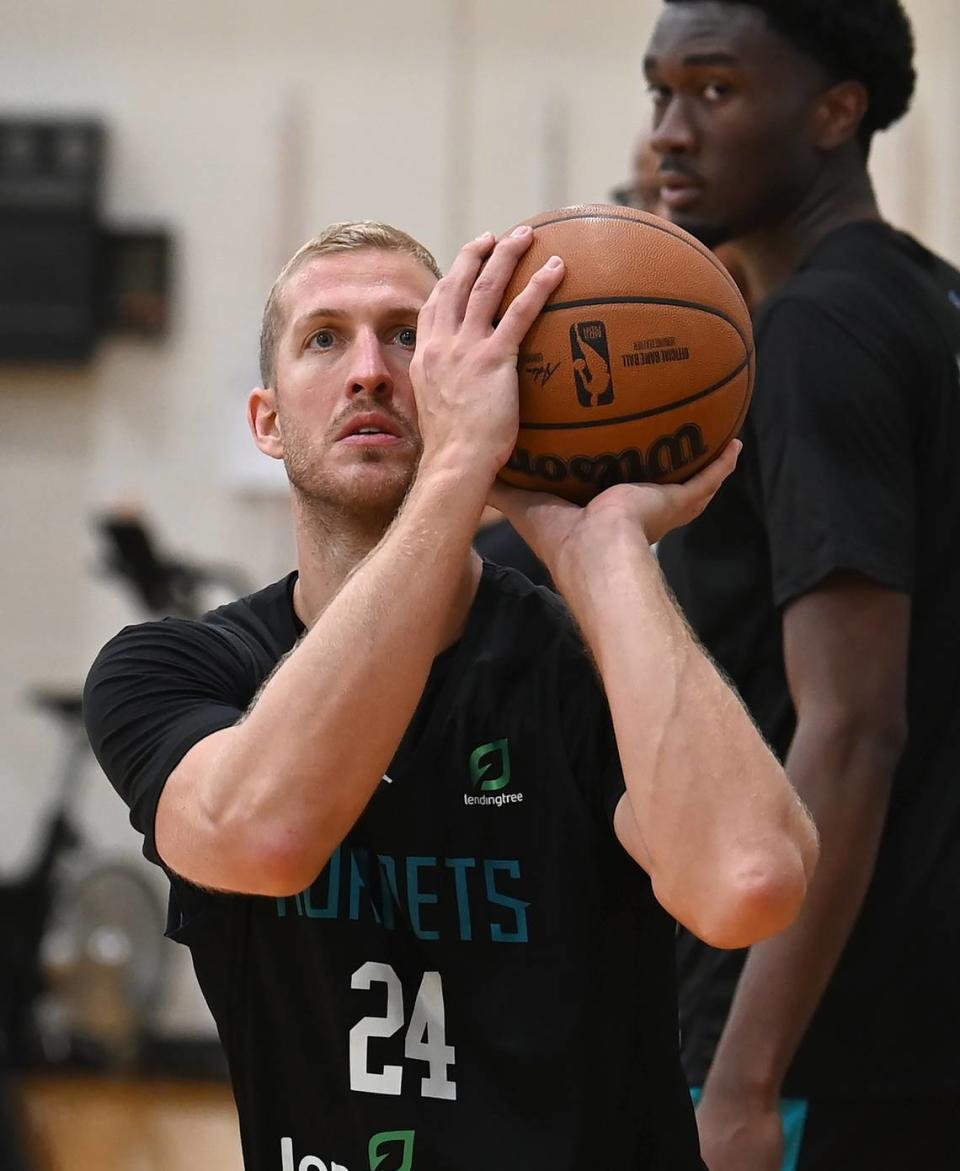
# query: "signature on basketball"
[542,374]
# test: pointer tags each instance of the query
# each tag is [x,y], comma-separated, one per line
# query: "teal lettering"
[519,908]
[459,866]
[388,885]
[358,858]
[417,898]
[329,911]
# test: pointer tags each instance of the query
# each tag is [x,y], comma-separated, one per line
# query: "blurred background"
[158,164]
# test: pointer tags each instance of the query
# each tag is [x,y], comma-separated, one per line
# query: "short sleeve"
[832,430]
[589,738]
[153,692]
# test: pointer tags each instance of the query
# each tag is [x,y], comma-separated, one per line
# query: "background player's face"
[343,363]
[733,119]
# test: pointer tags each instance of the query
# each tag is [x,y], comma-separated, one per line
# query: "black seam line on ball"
[682,402]
[629,219]
[672,302]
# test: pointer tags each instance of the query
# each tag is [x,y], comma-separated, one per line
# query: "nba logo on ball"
[640,365]
[591,363]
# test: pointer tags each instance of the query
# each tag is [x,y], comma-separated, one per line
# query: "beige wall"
[243,127]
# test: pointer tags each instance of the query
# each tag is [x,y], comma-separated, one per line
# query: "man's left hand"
[552,527]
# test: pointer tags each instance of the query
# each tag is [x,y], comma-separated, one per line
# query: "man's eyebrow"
[710,59]
[650,63]
[323,313]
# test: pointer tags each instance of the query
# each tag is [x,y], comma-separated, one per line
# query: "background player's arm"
[259,807]
[708,811]
[851,728]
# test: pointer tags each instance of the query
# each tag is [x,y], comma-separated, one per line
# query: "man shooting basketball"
[824,580]
[428,884]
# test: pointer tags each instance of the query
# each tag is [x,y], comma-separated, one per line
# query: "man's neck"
[329,550]
[771,254]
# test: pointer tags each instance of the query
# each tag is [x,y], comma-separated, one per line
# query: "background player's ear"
[839,113]
[264,421]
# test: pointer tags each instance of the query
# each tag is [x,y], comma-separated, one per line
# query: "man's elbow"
[760,898]
[278,865]
[249,859]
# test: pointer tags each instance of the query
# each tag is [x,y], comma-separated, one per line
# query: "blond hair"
[347,236]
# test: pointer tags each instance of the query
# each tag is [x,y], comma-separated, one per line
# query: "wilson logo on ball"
[668,454]
[591,363]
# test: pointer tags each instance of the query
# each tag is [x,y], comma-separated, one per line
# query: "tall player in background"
[825,579]
[431,910]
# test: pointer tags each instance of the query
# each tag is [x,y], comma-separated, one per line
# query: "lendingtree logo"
[389,1146]
[490,766]
[490,773]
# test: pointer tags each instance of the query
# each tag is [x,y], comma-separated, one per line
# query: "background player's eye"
[407,336]
[322,339]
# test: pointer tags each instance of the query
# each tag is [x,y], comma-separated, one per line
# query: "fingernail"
[522,230]
[483,236]
[554,262]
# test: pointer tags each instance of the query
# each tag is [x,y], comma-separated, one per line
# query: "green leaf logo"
[495,757]
[378,1156]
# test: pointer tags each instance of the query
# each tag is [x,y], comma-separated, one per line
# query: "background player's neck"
[843,195]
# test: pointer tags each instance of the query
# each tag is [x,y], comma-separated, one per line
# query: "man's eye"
[715,91]
[322,339]
[659,93]
[407,336]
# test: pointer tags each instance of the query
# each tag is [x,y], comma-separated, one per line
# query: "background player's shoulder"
[531,617]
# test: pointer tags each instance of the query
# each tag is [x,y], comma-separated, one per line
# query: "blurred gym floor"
[82,1123]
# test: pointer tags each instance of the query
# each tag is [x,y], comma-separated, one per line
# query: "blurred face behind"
[342,415]
[733,119]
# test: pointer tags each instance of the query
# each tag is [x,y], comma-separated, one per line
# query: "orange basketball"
[640,366]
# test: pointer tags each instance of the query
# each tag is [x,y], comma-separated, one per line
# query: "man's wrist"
[597,551]
[461,465]
[752,1086]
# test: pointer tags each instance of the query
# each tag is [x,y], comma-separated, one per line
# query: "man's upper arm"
[845,651]
[154,692]
[832,431]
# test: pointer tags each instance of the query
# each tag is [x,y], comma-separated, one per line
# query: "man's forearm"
[725,839]
[845,779]
[303,765]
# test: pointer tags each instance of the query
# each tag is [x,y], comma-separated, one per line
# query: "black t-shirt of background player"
[850,464]
[503,545]
[480,977]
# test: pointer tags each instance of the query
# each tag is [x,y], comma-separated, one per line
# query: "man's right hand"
[464,371]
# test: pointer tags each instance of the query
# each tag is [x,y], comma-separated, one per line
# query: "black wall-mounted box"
[51,256]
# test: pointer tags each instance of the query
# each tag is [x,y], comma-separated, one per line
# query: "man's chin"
[709,234]
[368,492]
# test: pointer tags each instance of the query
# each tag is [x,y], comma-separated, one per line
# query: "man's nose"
[369,371]
[673,131]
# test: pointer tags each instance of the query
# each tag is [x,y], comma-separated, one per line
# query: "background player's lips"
[680,185]
[680,192]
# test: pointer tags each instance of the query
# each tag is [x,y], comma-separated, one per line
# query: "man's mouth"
[679,191]
[370,429]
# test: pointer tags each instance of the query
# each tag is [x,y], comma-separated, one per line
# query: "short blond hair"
[347,236]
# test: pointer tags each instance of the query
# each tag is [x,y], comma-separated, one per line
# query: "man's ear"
[264,421]
[839,113]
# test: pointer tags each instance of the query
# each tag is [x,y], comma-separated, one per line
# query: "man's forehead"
[708,28]
[373,274]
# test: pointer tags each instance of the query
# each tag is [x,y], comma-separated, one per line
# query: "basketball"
[641,364]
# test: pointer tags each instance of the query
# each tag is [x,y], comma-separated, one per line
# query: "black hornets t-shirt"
[481,977]
[850,464]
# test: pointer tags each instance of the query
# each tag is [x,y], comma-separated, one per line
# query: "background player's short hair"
[870,41]
[346,236]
